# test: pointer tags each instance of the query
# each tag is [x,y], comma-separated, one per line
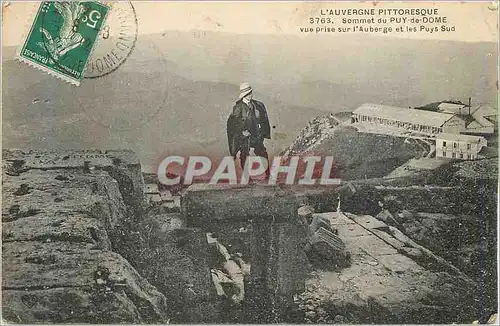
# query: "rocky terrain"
[82,244]
[62,223]
[390,280]
[357,155]
[449,208]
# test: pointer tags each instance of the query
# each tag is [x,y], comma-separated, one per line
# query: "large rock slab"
[35,275]
[63,191]
[386,284]
[204,203]
[122,165]
[60,213]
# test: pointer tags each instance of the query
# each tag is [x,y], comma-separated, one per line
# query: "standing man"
[247,126]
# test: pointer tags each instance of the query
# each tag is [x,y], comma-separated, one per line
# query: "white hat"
[245,89]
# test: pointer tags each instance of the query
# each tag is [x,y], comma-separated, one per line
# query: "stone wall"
[61,211]
[275,245]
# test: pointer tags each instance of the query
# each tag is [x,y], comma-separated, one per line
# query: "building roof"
[474,124]
[460,137]
[485,110]
[414,116]
[480,122]
[453,108]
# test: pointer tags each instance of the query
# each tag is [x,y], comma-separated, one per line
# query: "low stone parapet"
[204,203]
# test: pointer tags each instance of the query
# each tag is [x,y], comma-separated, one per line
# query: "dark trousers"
[259,150]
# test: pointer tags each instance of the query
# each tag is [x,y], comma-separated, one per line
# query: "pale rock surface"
[60,213]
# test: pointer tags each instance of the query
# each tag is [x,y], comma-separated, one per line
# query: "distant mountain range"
[174,93]
[331,71]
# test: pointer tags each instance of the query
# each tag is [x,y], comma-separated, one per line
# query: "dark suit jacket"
[236,124]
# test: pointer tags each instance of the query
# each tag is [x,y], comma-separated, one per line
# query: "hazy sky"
[474,21]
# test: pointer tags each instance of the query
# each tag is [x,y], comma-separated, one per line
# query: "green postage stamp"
[62,36]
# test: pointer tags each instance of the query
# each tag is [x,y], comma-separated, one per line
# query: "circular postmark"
[133,98]
[115,42]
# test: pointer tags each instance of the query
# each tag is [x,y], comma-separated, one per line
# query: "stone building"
[414,120]
[464,147]
[481,119]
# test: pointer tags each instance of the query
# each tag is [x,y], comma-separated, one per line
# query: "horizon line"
[298,35]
